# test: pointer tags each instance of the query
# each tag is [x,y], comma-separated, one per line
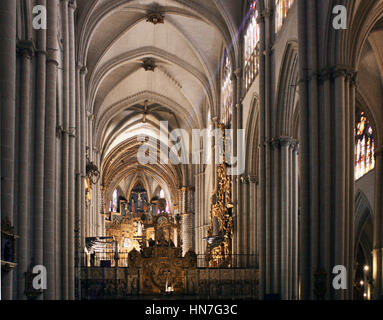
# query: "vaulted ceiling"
[117,45]
[371,73]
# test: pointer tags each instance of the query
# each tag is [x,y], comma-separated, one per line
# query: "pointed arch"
[363,213]
[252,138]
[283,124]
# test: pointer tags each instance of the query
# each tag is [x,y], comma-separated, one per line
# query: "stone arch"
[363,216]
[283,124]
[252,138]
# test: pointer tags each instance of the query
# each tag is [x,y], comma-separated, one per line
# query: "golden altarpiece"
[220,231]
[151,244]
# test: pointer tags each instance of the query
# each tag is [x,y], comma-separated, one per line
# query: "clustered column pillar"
[245,230]
[65,154]
[326,162]
[39,146]
[83,126]
[261,213]
[72,145]
[26,51]
[253,225]
[282,225]
[288,195]
[50,150]
[236,122]
[42,149]
[377,252]
[187,213]
[294,198]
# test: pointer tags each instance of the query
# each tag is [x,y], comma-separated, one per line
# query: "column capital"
[274,143]
[282,142]
[26,48]
[41,52]
[245,179]
[354,78]
[187,188]
[324,75]
[52,56]
[72,4]
[340,70]
[253,179]
[238,72]
[286,141]
[267,13]
[248,179]
[295,146]
[84,70]
[90,115]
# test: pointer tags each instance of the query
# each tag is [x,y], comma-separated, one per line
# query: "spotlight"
[366,268]
[361,282]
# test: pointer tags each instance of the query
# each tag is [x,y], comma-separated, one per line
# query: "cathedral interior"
[105,205]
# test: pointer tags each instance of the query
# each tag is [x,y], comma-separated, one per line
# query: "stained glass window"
[252,37]
[364,145]
[162,194]
[115,201]
[227,92]
[167,207]
[281,9]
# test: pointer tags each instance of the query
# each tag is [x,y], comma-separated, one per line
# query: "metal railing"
[200,283]
[109,259]
[235,261]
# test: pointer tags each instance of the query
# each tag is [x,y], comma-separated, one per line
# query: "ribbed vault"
[140,73]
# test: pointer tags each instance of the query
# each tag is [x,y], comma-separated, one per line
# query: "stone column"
[65,151]
[275,221]
[351,107]
[7,98]
[187,222]
[72,144]
[246,231]
[377,252]
[39,147]
[263,205]
[26,51]
[97,216]
[253,225]
[294,222]
[242,235]
[199,213]
[187,232]
[78,193]
[282,224]
[236,242]
[197,246]
[285,214]
[50,150]
[83,126]
[326,166]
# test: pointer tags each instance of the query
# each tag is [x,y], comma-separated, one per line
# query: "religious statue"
[169,283]
[139,201]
